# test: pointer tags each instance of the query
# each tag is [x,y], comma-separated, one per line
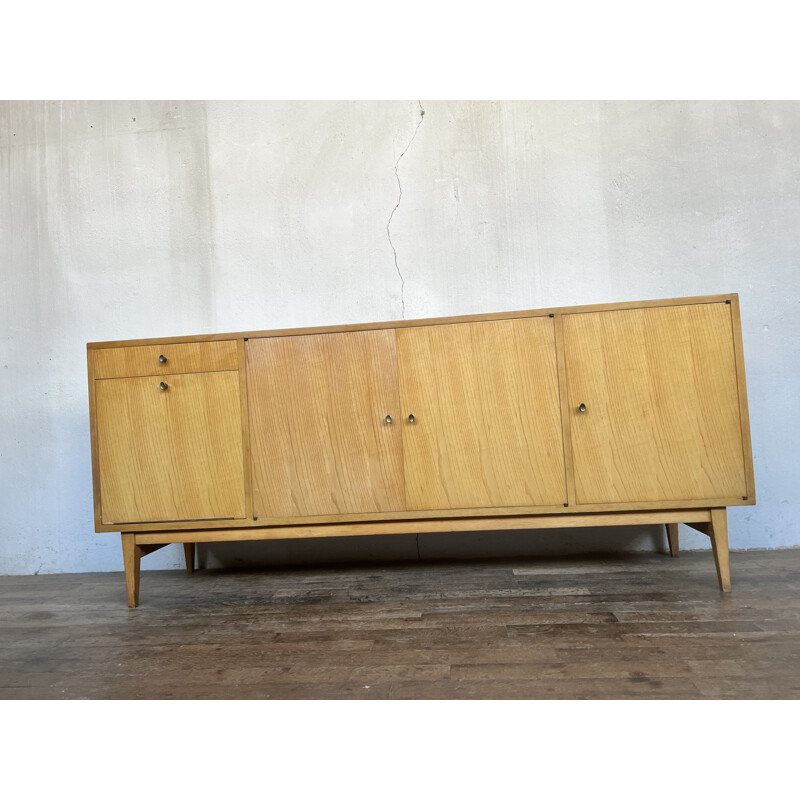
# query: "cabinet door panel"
[662,409]
[173,454]
[487,429]
[319,440]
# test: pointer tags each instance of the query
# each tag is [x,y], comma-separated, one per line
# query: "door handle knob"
[582,408]
[163,386]
[162,359]
[388,419]
[411,418]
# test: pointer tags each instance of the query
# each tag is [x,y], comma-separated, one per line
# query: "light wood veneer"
[173,453]
[662,409]
[487,425]
[635,412]
[321,442]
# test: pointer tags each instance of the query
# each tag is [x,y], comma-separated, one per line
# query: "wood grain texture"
[662,419]
[718,531]
[748,498]
[319,440]
[744,415]
[564,407]
[96,501]
[170,455]
[672,538]
[188,555]
[455,513]
[247,462]
[129,362]
[131,560]
[488,425]
[687,516]
[132,554]
[629,626]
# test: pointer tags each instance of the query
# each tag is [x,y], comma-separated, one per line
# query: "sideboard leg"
[672,536]
[719,543]
[188,552]
[132,558]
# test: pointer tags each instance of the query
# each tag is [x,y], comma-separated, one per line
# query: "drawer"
[165,359]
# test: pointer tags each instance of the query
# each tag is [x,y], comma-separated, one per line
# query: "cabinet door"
[661,419]
[170,454]
[487,424]
[319,438]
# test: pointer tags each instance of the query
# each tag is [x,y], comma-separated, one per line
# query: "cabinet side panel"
[98,514]
[174,454]
[744,415]
[487,429]
[662,407]
[319,438]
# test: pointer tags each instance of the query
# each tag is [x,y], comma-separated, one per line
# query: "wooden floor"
[628,626]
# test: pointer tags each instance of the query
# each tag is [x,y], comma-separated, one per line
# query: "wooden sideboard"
[619,414]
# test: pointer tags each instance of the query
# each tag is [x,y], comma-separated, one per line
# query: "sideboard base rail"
[710,521]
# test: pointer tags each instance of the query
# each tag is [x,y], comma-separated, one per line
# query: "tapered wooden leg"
[719,544]
[672,537]
[132,557]
[188,552]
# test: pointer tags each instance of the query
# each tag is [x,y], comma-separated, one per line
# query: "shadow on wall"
[466,545]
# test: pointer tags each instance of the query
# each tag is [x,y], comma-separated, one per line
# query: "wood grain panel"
[539,522]
[245,421]
[170,455]
[451,513]
[484,628]
[129,362]
[662,406]
[744,415]
[488,426]
[98,514]
[318,436]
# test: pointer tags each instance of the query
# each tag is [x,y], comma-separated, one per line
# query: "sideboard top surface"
[674,301]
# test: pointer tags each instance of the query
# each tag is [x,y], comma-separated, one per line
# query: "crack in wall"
[399,199]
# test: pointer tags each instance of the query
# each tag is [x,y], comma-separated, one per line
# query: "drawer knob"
[162,359]
[582,408]
[163,386]
[411,418]
[388,419]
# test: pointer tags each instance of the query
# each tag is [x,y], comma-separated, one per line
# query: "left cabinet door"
[325,434]
[173,453]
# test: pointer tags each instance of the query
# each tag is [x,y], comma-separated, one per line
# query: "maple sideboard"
[619,414]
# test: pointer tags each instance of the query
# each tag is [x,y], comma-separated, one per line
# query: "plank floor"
[638,626]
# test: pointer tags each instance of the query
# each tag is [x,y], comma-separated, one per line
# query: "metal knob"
[163,386]
[582,408]
[411,418]
[388,419]
[162,359]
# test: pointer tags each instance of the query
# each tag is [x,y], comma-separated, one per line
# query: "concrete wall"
[136,219]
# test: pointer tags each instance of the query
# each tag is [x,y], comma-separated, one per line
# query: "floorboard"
[633,626]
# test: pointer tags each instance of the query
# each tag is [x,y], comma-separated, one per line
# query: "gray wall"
[138,219]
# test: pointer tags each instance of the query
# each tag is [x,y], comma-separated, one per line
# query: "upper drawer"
[164,359]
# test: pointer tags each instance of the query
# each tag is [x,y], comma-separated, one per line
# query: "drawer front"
[165,359]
